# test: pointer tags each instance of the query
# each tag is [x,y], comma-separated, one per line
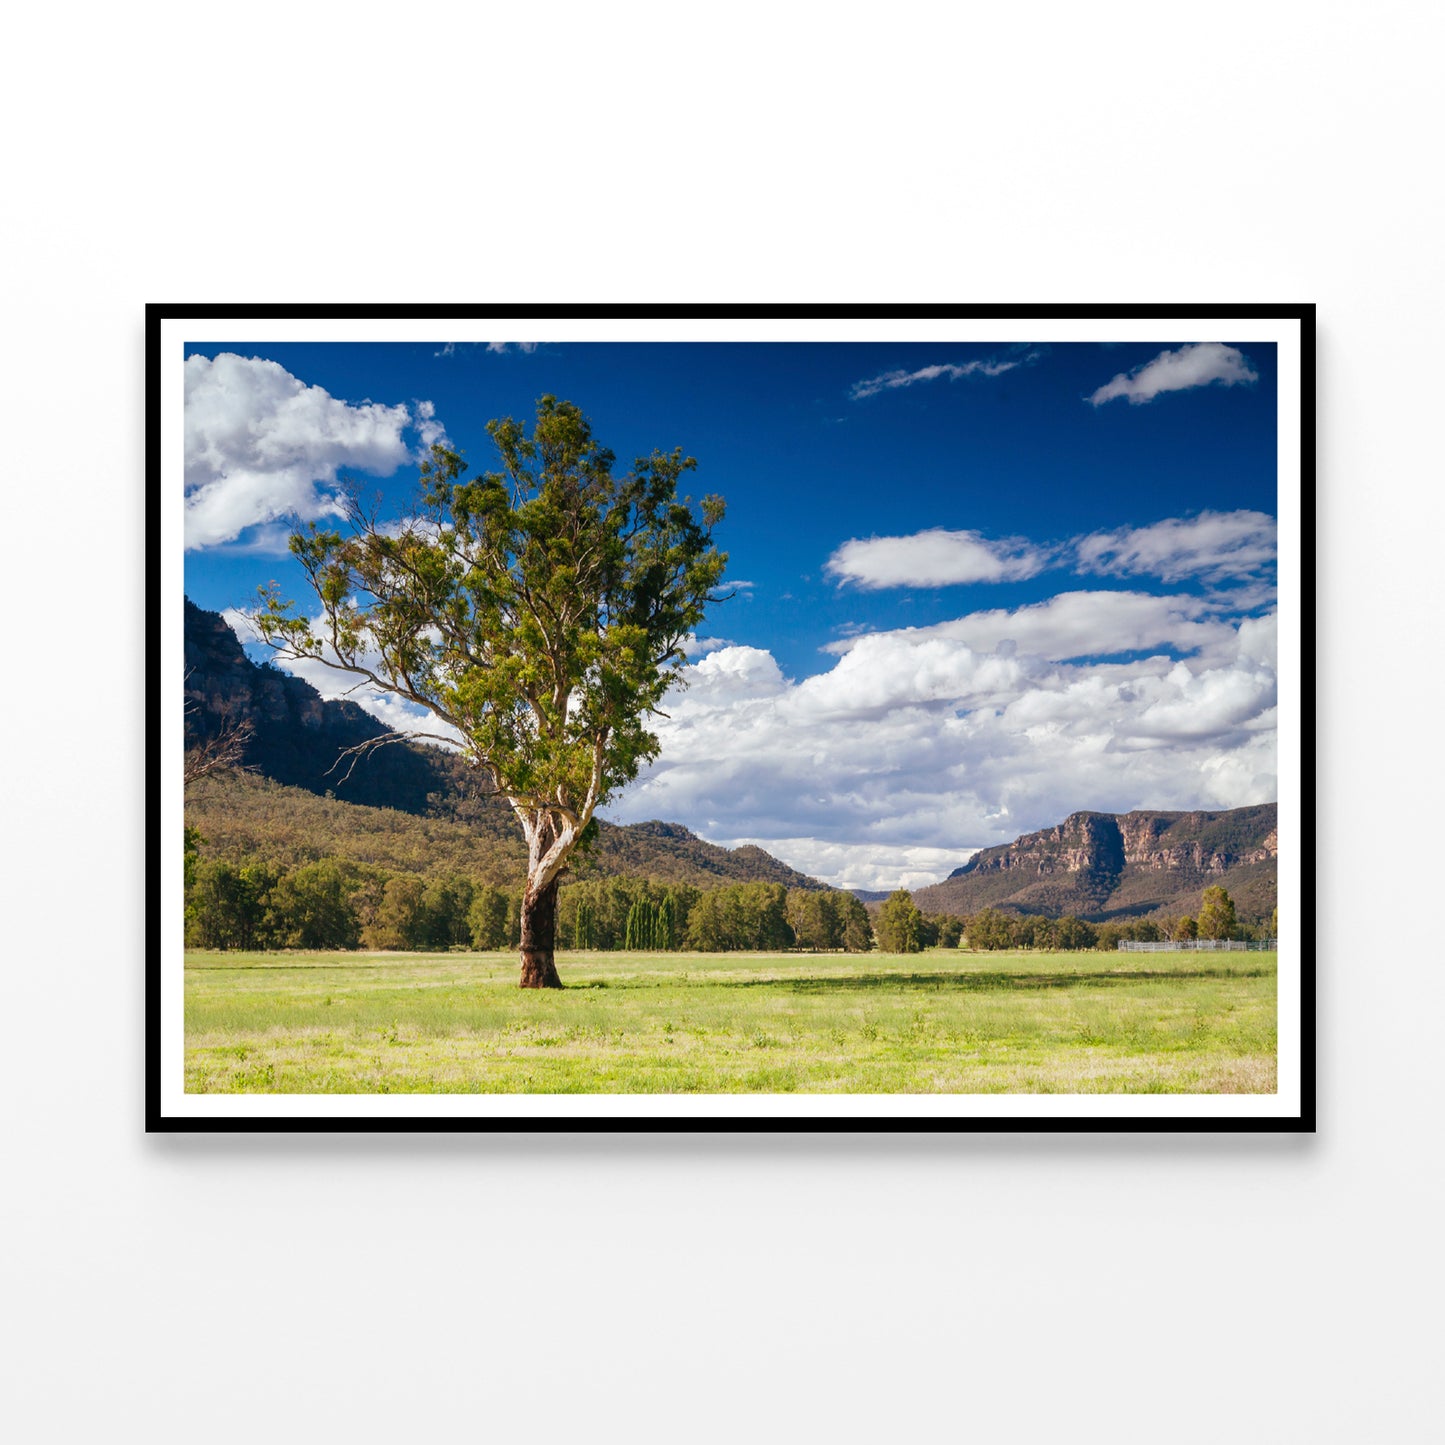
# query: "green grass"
[939,1022]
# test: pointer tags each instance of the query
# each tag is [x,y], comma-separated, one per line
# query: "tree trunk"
[539,936]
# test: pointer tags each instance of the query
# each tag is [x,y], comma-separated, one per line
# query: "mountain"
[407,807]
[298,738]
[1103,866]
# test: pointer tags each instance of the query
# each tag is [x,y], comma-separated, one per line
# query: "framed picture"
[731,718]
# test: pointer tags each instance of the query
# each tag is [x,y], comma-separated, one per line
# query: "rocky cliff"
[298,738]
[1108,865]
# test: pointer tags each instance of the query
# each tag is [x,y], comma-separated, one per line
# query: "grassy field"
[944,1021]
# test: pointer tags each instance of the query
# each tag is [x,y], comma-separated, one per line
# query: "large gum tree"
[540,610]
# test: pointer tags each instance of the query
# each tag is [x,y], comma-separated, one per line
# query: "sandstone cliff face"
[1105,842]
[1112,864]
[1082,842]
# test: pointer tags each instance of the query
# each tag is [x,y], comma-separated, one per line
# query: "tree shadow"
[986,982]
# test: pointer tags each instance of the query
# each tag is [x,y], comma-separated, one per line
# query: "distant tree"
[1107,936]
[1185,930]
[313,908]
[950,930]
[584,929]
[1074,933]
[989,929]
[818,918]
[191,856]
[642,931]
[857,926]
[400,921]
[1216,914]
[899,923]
[768,903]
[445,914]
[538,612]
[232,905]
[1030,931]
[671,913]
[487,919]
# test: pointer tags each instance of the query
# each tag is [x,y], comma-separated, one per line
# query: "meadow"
[943,1021]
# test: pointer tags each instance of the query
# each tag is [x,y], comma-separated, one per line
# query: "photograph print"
[694,718]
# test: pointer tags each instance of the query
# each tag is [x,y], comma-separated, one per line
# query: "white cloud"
[935,558]
[696,647]
[920,740]
[891,380]
[428,428]
[260,445]
[1214,546]
[869,866]
[920,745]
[1076,625]
[503,346]
[1190,366]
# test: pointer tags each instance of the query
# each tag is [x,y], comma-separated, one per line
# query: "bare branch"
[223,752]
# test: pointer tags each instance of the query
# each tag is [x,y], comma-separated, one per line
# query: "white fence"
[1228,945]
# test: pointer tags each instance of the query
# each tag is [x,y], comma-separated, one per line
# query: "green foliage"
[900,924]
[1074,933]
[743,916]
[312,908]
[1216,915]
[231,906]
[400,920]
[829,920]
[539,610]
[642,931]
[584,929]
[949,928]
[989,929]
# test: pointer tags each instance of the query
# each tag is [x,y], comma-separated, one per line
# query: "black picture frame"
[1175,319]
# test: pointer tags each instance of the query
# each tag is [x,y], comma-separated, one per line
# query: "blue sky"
[985,585]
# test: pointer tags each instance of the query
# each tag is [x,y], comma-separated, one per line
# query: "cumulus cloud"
[923,740]
[869,866]
[918,746]
[892,380]
[428,428]
[935,558]
[1214,547]
[1076,625]
[1190,366]
[260,444]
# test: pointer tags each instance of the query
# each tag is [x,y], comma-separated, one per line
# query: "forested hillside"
[246,816]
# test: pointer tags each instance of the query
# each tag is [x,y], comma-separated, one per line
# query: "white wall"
[1146,1289]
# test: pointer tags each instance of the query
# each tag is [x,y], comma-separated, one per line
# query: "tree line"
[903,928]
[339,904]
[329,904]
